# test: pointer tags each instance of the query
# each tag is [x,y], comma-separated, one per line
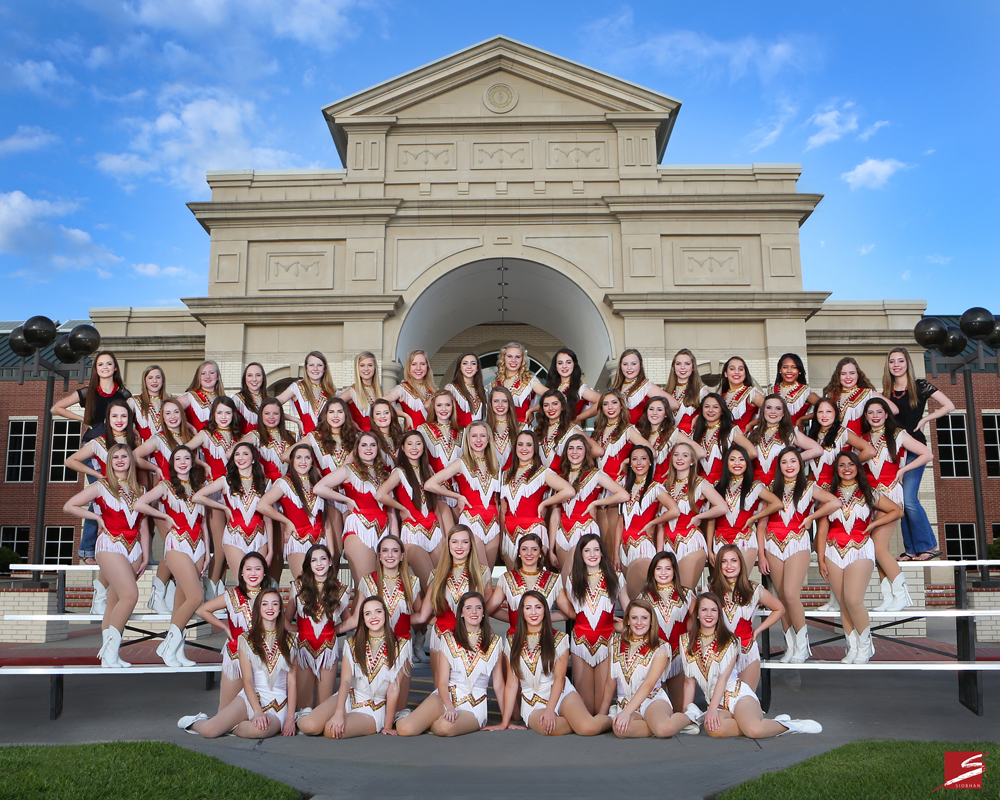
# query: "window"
[991,438]
[953,446]
[65,442]
[16,538]
[960,540]
[59,544]
[21,450]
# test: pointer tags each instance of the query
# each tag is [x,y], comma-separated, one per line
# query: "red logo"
[963,770]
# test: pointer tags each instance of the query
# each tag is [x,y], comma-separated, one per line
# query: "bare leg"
[436,552]
[314,723]
[445,515]
[728,726]
[295,562]
[233,557]
[228,690]
[691,567]
[360,558]
[607,521]
[305,682]
[123,593]
[583,680]
[582,722]
[422,718]
[663,721]
[795,569]
[534,722]
[856,579]
[420,562]
[675,690]
[466,723]
[777,582]
[229,716]
[635,577]
[277,565]
[247,730]
[189,594]
[324,686]
[887,566]
[492,549]
[750,557]
[163,570]
[751,675]
[836,576]
[637,728]
[752,722]
[355,725]
[217,526]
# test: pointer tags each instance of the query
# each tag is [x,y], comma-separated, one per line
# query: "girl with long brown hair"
[657,427]
[148,406]
[271,438]
[250,397]
[671,604]
[384,424]
[715,433]
[528,574]
[790,382]
[375,664]
[740,392]
[850,389]
[443,439]
[413,394]
[310,393]
[774,431]
[266,704]
[685,386]
[467,388]
[503,422]
[205,387]
[634,388]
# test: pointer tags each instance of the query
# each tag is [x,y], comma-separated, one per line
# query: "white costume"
[536,684]
[629,669]
[471,671]
[706,667]
[270,676]
[368,692]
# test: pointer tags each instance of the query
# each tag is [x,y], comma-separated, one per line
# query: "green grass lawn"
[876,769]
[128,771]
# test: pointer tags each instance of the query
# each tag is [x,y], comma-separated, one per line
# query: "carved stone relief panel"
[501,155]
[577,155]
[701,262]
[292,266]
[424,157]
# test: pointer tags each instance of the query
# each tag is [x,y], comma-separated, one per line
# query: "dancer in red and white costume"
[850,388]
[404,491]
[773,432]
[589,599]
[527,574]
[553,428]
[238,603]
[527,489]
[787,550]
[741,597]
[413,395]
[538,657]
[184,547]
[375,665]
[657,427]
[791,384]
[248,400]
[634,388]
[635,536]
[747,502]
[715,433]
[884,472]
[740,392]
[266,704]
[118,428]
[147,408]
[671,604]
[685,386]
[467,388]
[365,521]
[710,653]
[697,501]
[318,606]
[477,480]
[292,502]
[366,389]
[638,661]
[468,658]
[828,432]
[311,392]
[443,439]
[197,400]
[845,551]
[503,422]
[514,374]
[122,544]
[566,377]
[272,439]
[592,489]
[241,488]
[386,428]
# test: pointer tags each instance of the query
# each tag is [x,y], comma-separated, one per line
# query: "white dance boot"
[802,648]
[852,648]
[886,595]
[900,594]
[866,647]
[789,645]
[179,650]
[168,646]
[99,603]
[208,588]
[831,604]
[798,725]
[185,723]
[169,598]
[157,602]
[112,642]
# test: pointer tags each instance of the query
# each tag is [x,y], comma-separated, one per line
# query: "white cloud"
[906,275]
[937,258]
[26,229]
[872,129]
[767,132]
[866,249]
[615,41]
[26,139]
[196,130]
[39,77]
[322,24]
[833,123]
[873,173]
[156,271]
[929,152]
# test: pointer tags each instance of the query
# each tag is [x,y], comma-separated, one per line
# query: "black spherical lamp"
[954,342]
[977,323]
[930,332]
[40,331]
[64,350]
[993,340]
[21,346]
[85,340]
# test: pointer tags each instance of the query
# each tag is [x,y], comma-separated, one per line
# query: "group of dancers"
[422,490]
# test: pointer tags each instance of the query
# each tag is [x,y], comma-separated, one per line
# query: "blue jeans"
[88,537]
[918,535]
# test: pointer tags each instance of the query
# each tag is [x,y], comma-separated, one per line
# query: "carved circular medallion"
[500,98]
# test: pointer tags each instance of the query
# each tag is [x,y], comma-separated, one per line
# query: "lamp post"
[71,349]
[947,344]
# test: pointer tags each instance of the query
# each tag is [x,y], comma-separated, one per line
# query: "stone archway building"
[497,192]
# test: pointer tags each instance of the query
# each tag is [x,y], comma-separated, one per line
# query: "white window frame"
[68,475]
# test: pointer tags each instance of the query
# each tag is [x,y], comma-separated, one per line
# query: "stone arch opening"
[496,291]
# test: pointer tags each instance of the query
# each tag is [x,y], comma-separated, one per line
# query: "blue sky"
[111,111]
